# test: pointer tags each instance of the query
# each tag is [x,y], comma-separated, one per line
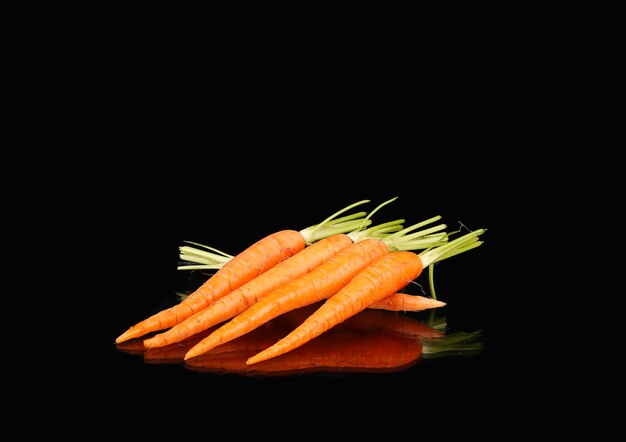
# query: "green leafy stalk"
[414,227]
[218,252]
[335,229]
[376,210]
[431,280]
[316,232]
[376,231]
[383,232]
[460,245]
[203,255]
[203,259]
[401,239]
[201,267]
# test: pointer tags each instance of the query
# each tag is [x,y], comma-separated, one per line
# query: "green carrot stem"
[207,256]
[459,245]
[309,233]
[376,210]
[414,227]
[200,267]
[431,280]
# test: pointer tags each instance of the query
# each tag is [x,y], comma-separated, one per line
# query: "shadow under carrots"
[373,341]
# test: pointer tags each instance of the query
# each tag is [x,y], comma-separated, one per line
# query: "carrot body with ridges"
[381,278]
[243,297]
[253,261]
[319,284]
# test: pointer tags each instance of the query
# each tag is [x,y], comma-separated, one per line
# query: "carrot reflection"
[334,351]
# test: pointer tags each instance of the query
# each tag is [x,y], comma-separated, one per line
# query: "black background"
[234,173]
[174,146]
[231,209]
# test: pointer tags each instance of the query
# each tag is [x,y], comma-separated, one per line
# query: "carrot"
[401,302]
[243,297]
[383,277]
[250,263]
[398,302]
[321,283]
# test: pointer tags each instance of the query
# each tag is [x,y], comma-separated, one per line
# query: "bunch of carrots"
[345,264]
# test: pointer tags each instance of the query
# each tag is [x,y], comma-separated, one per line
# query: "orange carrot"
[383,277]
[398,302]
[253,261]
[321,283]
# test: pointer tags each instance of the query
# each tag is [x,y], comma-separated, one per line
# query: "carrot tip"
[190,354]
[127,335]
[254,359]
[154,341]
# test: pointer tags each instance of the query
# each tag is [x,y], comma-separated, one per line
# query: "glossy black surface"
[146,281]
